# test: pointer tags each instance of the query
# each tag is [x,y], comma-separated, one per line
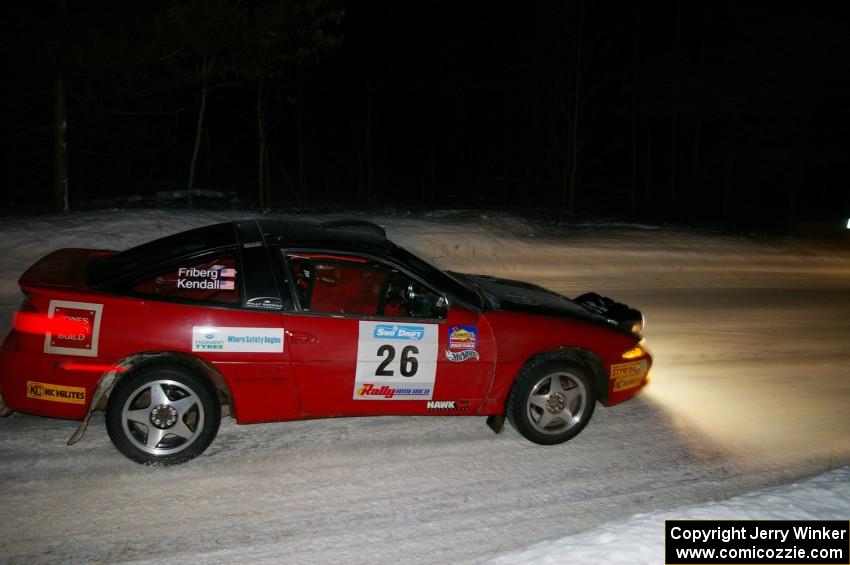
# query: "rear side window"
[162,250]
[209,280]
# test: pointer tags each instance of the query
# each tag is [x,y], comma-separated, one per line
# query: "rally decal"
[629,375]
[462,344]
[395,361]
[56,393]
[246,340]
[82,333]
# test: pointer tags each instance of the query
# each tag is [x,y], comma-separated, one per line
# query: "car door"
[367,337]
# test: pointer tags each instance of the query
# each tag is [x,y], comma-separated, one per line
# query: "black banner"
[760,542]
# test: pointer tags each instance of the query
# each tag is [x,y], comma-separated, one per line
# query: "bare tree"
[276,35]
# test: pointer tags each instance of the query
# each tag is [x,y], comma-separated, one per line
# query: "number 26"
[408,363]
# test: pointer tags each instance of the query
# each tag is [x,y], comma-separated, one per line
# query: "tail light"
[29,320]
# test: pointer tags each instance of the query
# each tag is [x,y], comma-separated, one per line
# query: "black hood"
[518,296]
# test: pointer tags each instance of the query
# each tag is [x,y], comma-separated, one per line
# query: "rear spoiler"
[63,269]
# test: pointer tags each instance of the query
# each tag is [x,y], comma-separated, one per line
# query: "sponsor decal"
[84,318]
[463,344]
[56,393]
[447,405]
[628,375]
[245,340]
[461,356]
[192,278]
[372,391]
[265,303]
[393,331]
[395,361]
[463,337]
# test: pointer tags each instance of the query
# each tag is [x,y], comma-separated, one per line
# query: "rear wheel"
[552,400]
[162,415]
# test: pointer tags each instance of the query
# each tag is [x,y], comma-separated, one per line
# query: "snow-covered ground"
[750,389]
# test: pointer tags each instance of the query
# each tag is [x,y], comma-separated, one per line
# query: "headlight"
[638,327]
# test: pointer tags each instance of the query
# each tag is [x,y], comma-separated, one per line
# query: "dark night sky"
[717,113]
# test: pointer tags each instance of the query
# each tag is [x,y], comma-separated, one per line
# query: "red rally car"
[283,320]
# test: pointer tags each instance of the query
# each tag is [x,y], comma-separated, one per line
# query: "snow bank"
[640,539]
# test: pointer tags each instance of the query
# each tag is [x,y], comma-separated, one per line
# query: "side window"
[333,284]
[211,280]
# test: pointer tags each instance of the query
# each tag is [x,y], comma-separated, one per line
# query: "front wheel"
[552,401]
[162,415]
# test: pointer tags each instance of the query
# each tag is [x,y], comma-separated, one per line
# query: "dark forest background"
[700,112]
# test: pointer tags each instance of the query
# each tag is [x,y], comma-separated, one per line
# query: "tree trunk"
[576,96]
[729,185]
[634,197]
[369,169]
[190,185]
[674,146]
[60,128]
[299,119]
[262,181]
[692,198]
[60,177]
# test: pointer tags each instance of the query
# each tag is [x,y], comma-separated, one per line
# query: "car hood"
[519,296]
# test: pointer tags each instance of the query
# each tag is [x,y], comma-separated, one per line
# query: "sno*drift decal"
[463,344]
[56,393]
[256,340]
[84,340]
[395,361]
[628,375]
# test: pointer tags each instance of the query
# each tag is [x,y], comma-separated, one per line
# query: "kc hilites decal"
[462,344]
[629,375]
[56,393]
[246,340]
[84,320]
[395,361]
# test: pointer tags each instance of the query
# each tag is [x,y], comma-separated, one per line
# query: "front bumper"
[626,379]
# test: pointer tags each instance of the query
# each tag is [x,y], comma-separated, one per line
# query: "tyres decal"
[254,340]
[395,361]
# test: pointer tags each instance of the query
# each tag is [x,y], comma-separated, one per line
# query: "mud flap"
[496,423]
[106,383]
[4,410]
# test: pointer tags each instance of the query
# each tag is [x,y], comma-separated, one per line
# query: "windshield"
[161,250]
[459,288]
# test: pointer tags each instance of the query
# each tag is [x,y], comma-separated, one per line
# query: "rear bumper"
[34,383]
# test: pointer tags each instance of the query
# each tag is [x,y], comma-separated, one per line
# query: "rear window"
[210,280]
[160,251]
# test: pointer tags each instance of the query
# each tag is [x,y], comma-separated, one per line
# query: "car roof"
[351,234]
